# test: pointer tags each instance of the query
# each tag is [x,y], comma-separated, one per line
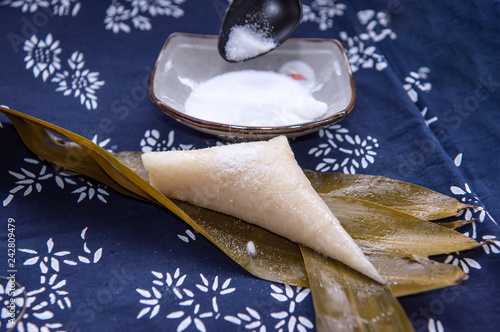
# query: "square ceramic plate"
[187,60]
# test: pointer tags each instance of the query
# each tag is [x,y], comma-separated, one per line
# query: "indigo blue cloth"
[427,78]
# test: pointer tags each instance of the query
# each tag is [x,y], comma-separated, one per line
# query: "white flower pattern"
[55,289]
[362,56]
[196,311]
[361,53]
[58,7]
[49,260]
[66,7]
[192,310]
[376,24]
[36,315]
[322,12]
[40,303]
[29,181]
[357,153]
[152,142]
[42,56]
[292,296]
[464,262]
[6,294]
[118,14]
[489,243]
[90,190]
[151,298]
[415,81]
[81,82]
[30,6]
[251,320]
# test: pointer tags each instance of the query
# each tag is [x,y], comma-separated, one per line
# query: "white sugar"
[251,248]
[254,98]
[245,42]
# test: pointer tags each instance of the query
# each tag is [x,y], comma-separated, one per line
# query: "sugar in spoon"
[251,28]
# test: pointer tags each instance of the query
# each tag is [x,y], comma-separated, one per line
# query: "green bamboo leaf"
[259,251]
[79,154]
[345,300]
[456,223]
[376,226]
[407,275]
[412,199]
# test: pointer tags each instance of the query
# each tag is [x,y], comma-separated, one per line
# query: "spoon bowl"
[251,28]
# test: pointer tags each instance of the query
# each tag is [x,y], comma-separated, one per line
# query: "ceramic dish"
[187,60]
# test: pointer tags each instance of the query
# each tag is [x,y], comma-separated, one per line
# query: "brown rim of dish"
[250,129]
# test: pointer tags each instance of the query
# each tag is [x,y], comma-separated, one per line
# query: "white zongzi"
[260,183]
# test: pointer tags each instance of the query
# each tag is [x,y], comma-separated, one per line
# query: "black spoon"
[251,28]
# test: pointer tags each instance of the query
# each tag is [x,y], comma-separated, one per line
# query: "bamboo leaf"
[380,227]
[132,160]
[259,251]
[346,300]
[456,223]
[412,199]
[407,275]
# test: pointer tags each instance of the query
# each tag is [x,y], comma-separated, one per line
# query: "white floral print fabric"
[122,16]
[89,258]
[42,56]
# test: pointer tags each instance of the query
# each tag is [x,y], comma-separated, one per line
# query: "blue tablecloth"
[428,80]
